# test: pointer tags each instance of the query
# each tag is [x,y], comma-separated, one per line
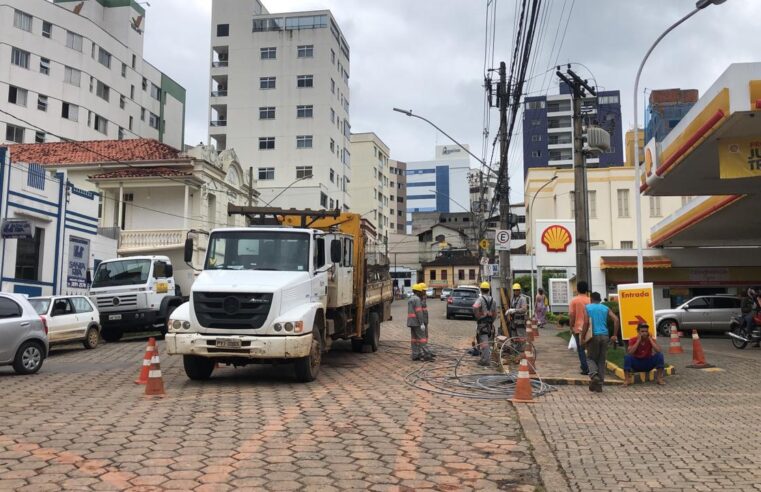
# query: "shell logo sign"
[556,238]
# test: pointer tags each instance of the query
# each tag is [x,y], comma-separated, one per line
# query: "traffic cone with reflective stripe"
[698,357]
[529,332]
[155,384]
[530,360]
[523,392]
[675,346]
[535,325]
[142,378]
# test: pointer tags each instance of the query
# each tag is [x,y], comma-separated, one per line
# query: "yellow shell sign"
[739,158]
[556,239]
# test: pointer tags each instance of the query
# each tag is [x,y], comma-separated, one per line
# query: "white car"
[69,319]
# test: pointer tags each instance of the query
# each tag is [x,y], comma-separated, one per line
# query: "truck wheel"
[372,335]
[92,337]
[197,368]
[308,367]
[111,334]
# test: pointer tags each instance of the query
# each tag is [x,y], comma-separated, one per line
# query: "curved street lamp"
[533,231]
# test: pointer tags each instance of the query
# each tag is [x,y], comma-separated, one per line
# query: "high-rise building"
[629,162]
[371,184]
[440,185]
[76,69]
[666,109]
[397,212]
[280,98]
[548,128]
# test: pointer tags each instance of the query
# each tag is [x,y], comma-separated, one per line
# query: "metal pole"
[637,167]
[504,193]
[250,186]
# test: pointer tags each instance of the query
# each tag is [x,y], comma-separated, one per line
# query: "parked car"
[703,313]
[445,293]
[430,292]
[69,319]
[23,335]
[460,303]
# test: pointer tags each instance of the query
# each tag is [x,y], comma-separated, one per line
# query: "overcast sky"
[428,55]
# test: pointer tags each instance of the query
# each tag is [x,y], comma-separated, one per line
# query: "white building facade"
[371,187]
[280,98]
[76,69]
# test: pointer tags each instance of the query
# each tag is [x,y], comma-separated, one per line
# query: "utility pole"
[579,87]
[505,275]
[250,186]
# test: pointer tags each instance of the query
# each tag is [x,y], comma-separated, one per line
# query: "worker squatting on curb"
[484,312]
[417,320]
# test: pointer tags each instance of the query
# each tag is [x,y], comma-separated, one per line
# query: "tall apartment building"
[280,98]
[397,212]
[76,69]
[548,128]
[666,109]
[371,184]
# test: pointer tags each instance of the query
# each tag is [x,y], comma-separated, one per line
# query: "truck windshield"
[122,272]
[258,250]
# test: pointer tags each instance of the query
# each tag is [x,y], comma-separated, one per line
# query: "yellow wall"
[630,147]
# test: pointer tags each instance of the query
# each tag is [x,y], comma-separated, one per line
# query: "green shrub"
[613,307]
[563,320]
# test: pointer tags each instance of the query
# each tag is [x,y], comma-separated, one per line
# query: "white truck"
[282,292]
[136,293]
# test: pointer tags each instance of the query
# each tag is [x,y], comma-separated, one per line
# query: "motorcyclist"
[750,309]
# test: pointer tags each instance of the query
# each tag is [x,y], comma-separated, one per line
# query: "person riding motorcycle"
[751,306]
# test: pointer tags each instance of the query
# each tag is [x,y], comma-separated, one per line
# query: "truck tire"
[307,368]
[372,335]
[111,334]
[197,368]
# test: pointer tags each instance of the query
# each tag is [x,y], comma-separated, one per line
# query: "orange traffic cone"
[535,325]
[530,361]
[523,392]
[529,332]
[155,384]
[675,346]
[142,378]
[698,357]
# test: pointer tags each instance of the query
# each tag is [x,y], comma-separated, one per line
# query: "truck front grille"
[231,310]
[116,301]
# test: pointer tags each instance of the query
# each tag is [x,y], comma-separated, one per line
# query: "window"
[101,124]
[42,102]
[103,91]
[131,121]
[16,95]
[9,308]
[460,274]
[39,137]
[627,244]
[306,51]
[70,111]
[332,203]
[332,57]
[268,53]
[74,41]
[134,60]
[14,133]
[444,275]
[536,122]
[29,256]
[607,100]
[145,84]
[223,30]
[332,86]
[332,145]
[122,101]
[156,92]
[72,76]
[535,105]
[120,134]
[323,200]
[332,176]
[266,82]
[266,173]
[20,58]
[536,153]
[104,57]
[81,305]
[332,115]
[304,172]
[45,66]
[142,114]
[623,203]
[124,69]
[267,113]
[304,111]
[592,204]
[92,82]
[132,92]
[432,274]
[305,81]
[655,206]
[22,20]
[536,138]
[471,273]
[154,121]
[304,141]
[47,29]
[266,143]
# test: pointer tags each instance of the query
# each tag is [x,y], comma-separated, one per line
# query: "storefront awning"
[628,262]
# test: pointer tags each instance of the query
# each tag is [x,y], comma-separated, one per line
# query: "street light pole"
[533,231]
[286,189]
[699,5]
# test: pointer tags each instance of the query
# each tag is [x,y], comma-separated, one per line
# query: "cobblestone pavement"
[699,432]
[82,424]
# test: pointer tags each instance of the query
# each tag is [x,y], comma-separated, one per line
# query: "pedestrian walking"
[576,310]
[417,321]
[484,310]
[540,307]
[597,317]
[517,312]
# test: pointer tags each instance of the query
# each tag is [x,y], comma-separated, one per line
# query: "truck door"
[319,280]
[346,272]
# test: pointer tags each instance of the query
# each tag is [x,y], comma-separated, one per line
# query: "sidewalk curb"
[550,471]
[639,377]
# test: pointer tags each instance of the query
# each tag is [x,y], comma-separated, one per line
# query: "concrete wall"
[370,189]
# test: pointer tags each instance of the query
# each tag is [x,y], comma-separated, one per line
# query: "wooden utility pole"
[505,274]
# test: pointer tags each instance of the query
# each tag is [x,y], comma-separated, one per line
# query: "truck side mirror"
[188,250]
[335,251]
[88,277]
[169,271]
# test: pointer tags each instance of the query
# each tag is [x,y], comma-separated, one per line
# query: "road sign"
[502,240]
[636,304]
[484,244]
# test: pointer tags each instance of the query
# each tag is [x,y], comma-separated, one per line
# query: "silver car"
[703,313]
[23,335]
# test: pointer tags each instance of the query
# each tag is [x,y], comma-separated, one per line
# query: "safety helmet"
[418,287]
[423,286]
[485,285]
[517,286]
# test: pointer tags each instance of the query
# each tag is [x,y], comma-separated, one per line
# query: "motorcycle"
[742,335]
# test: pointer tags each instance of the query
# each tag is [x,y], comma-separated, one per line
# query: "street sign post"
[502,240]
[636,304]
[560,294]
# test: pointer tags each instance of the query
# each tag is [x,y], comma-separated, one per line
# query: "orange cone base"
[700,366]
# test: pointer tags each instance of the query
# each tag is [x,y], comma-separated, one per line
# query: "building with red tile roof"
[58,154]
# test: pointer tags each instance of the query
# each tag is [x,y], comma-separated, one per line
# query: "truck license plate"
[231,343]
[112,317]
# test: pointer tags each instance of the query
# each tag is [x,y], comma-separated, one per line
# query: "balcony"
[151,240]
[219,93]
[219,64]
[217,123]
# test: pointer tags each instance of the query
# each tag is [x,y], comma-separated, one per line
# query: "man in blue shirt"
[596,318]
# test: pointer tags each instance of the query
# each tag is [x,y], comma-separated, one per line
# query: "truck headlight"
[289,326]
[278,327]
[175,324]
[186,325]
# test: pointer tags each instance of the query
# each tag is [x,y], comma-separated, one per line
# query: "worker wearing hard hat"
[417,320]
[484,310]
[517,312]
